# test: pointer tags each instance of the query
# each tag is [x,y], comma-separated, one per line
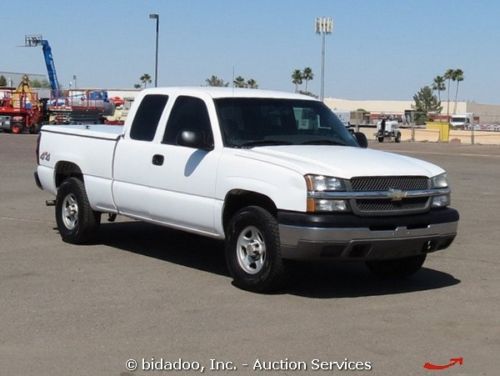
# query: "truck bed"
[91,148]
[86,130]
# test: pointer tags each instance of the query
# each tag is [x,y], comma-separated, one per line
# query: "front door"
[183,187]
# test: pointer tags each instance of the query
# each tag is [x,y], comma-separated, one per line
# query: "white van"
[462,121]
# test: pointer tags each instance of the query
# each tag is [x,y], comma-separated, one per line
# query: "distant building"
[487,113]
[14,78]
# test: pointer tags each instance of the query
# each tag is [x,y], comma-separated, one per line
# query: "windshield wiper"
[322,142]
[263,143]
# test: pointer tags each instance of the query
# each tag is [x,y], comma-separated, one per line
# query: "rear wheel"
[380,139]
[253,253]
[398,137]
[397,268]
[76,221]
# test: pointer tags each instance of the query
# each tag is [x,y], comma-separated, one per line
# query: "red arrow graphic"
[453,361]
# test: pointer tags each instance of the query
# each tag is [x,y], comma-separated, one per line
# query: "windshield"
[458,120]
[250,122]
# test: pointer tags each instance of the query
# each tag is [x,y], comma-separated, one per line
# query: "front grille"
[389,205]
[385,183]
[386,206]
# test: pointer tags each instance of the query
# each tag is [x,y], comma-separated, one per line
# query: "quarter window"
[147,117]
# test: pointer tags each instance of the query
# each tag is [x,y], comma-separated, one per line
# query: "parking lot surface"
[143,291]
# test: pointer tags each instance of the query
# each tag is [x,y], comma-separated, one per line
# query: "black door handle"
[158,159]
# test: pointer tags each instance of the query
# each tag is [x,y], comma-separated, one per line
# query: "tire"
[253,253]
[380,139]
[397,268]
[398,138]
[76,221]
[35,128]
[17,128]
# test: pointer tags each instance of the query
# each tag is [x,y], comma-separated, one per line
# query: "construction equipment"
[35,41]
[20,108]
[79,107]
[122,107]
[72,106]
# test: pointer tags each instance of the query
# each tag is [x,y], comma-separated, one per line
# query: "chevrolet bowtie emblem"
[396,194]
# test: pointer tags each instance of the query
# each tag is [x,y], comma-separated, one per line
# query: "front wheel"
[380,139]
[253,253]
[398,137]
[17,128]
[397,268]
[76,221]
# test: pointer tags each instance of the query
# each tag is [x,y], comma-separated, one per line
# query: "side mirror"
[193,139]
[362,140]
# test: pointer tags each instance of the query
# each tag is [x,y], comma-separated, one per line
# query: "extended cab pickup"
[276,175]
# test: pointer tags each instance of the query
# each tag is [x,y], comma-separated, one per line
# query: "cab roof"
[227,92]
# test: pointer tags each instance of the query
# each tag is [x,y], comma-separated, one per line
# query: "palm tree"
[252,84]
[145,79]
[216,81]
[307,75]
[297,79]
[458,75]
[448,76]
[239,82]
[439,85]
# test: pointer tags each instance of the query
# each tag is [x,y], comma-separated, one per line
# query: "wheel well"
[238,199]
[66,170]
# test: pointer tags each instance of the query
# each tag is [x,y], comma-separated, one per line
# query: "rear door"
[134,157]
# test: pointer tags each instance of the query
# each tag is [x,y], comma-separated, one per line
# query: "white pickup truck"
[276,175]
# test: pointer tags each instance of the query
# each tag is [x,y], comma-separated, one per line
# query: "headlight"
[330,205]
[318,202]
[440,181]
[441,201]
[320,183]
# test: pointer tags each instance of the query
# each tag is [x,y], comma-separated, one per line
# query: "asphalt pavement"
[155,295]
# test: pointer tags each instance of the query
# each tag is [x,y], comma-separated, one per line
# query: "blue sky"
[384,49]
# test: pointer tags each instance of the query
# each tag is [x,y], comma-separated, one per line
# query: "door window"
[188,114]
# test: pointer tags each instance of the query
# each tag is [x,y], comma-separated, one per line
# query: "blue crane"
[37,40]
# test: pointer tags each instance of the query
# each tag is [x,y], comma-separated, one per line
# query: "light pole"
[324,25]
[155,16]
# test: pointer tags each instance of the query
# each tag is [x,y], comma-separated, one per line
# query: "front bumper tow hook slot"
[50,202]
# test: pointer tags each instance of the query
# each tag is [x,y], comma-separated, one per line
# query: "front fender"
[285,187]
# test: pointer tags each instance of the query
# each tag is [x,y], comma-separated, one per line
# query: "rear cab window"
[147,117]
